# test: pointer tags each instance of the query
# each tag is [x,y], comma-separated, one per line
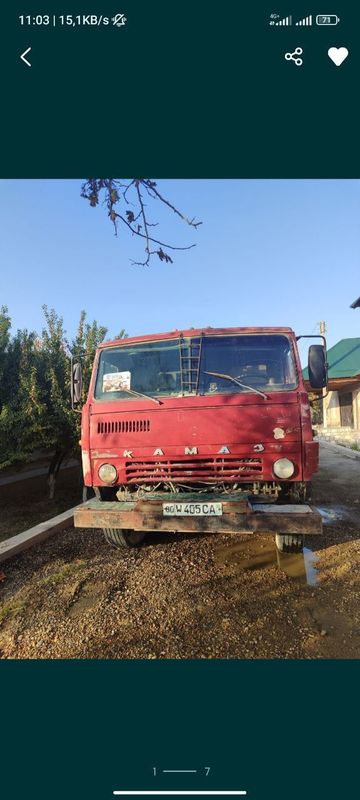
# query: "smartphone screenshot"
[179,400]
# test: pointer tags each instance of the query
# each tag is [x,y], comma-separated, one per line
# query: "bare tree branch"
[153,192]
[135,214]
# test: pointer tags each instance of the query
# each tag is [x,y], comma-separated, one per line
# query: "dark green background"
[190,89]
[284,730]
[195,88]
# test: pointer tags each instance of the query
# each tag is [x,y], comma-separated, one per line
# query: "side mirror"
[76,384]
[317,366]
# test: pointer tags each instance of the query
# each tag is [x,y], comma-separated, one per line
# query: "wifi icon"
[305,21]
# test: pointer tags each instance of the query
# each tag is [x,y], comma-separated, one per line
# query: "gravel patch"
[216,596]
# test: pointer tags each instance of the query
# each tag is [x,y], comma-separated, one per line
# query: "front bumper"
[240,515]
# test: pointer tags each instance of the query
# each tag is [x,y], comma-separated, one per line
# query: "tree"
[83,347]
[35,410]
[22,414]
[56,366]
[5,325]
[126,203]
[54,377]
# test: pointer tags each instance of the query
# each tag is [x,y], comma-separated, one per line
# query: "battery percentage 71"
[327,19]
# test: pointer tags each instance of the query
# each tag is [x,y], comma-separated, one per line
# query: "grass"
[26,503]
[11,609]
[64,572]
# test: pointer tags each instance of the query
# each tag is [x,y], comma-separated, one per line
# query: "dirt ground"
[25,503]
[193,597]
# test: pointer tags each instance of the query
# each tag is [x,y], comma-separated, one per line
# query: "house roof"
[343,359]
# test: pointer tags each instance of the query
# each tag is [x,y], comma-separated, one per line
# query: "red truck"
[202,430]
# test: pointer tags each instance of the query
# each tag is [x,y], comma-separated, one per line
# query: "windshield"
[264,362]
[178,367]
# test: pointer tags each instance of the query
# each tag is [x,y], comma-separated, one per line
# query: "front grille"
[179,470]
[124,426]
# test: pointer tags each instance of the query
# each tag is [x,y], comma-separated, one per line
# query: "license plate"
[192,509]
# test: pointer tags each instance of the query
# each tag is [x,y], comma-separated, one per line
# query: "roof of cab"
[175,334]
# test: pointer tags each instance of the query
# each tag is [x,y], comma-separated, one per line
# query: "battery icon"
[327,19]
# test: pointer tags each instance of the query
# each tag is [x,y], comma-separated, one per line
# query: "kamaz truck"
[200,431]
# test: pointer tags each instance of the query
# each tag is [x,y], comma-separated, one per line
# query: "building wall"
[356,409]
[332,409]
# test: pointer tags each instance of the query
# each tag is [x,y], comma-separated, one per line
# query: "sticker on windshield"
[116,381]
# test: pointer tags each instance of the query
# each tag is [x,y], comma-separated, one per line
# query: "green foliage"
[54,376]
[35,408]
[5,325]
[22,408]
[83,348]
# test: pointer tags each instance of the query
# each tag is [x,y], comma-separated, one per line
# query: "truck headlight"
[107,473]
[283,468]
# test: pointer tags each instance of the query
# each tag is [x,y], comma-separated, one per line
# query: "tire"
[291,543]
[123,538]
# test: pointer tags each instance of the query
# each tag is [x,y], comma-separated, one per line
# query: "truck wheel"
[121,538]
[291,543]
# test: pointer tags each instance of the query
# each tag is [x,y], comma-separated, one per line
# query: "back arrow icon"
[25,54]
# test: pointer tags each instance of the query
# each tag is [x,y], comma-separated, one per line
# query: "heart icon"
[338,54]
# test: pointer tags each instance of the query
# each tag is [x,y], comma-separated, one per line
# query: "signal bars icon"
[285,21]
[305,21]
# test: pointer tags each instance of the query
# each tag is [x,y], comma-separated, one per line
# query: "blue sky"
[268,253]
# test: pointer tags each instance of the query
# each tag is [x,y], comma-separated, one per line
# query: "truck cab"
[194,418]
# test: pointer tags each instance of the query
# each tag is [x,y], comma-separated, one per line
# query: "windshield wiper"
[235,380]
[139,394]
